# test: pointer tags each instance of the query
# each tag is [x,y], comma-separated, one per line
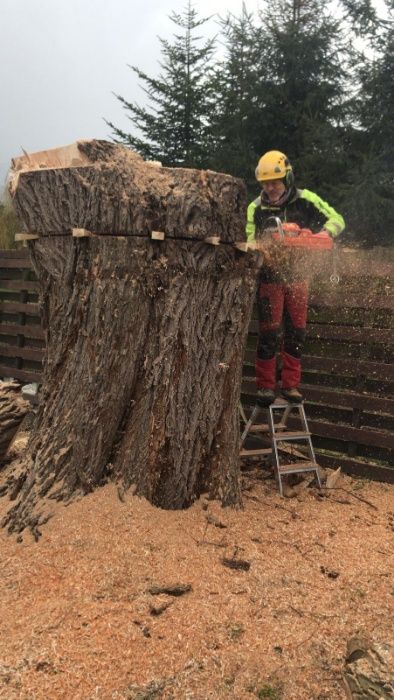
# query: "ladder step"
[299,435]
[264,427]
[298,467]
[256,453]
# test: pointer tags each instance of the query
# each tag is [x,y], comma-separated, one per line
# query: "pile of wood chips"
[120,600]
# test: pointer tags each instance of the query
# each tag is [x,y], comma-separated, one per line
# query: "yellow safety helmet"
[274,165]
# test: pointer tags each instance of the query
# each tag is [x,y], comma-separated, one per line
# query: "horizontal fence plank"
[346,433]
[29,331]
[326,331]
[10,307]
[348,399]
[343,434]
[367,470]
[18,253]
[19,285]
[353,367]
[14,336]
[376,262]
[351,300]
[12,263]
[340,366]
[24,375]
[335,397]
[346,333]
[24,353]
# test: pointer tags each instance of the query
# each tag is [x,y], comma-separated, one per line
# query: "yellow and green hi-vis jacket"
[301,207]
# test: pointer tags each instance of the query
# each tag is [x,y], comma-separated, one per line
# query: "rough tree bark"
[144,338]
[369,670]
[13,409]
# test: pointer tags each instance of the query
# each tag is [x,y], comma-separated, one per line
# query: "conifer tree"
[281,85]
[233,88]
[173,127]
[369,201]
[303,91]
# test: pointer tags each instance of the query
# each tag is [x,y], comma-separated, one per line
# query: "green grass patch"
[9,226]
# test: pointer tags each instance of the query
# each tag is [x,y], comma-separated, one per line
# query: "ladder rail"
[275,454]
[250,422]
[310,443]
[277,431]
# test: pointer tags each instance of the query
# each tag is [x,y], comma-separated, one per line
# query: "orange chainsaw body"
[297,237]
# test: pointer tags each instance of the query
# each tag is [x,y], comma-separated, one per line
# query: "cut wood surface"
[63,157]
[115,192]
[26,236]
[145,338]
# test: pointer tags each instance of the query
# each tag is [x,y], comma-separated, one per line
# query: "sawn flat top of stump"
[109,189]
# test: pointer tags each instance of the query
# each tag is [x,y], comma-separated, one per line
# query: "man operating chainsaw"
[283,291]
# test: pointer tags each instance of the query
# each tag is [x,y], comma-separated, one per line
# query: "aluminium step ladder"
[276,429]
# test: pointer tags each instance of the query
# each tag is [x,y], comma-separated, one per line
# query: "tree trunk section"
[13,409]
[145,339]
[369,670]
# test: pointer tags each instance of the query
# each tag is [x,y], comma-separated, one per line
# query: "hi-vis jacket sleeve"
[250,225]
[306,208]
[334,222]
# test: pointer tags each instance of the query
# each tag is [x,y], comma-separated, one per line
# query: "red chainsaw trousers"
[281,304]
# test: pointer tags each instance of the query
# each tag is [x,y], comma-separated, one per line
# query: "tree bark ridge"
[141,381]
[145,339]
[121,194]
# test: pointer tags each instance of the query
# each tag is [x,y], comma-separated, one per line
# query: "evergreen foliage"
[235,106]
[173,128]
[369,199]
[302,90]
[292,78]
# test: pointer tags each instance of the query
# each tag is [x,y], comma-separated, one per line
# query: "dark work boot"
[292,395]
[265,397]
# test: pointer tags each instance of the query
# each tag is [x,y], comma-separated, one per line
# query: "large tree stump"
[145,338]
[13,409]
[369,670]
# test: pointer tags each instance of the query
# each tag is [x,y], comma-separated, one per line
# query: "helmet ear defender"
[289,178]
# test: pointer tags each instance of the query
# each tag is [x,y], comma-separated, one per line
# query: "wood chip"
[240,564]
[175,590]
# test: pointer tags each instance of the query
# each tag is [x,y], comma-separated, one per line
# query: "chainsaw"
[293,236]
[296,237]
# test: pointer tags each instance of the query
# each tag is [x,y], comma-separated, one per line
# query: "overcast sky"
[60,61]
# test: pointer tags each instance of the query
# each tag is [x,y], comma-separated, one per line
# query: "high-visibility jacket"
[302,207]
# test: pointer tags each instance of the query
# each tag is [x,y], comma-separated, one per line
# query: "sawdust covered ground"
[79,621]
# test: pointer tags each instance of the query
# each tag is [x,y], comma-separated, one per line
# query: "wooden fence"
[21,336]
[348,366]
